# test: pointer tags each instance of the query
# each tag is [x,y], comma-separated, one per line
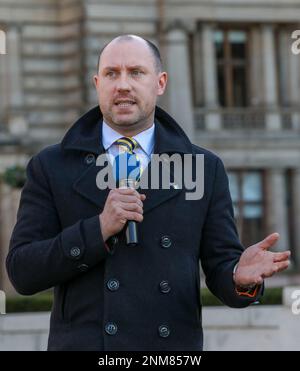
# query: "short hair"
[153,48]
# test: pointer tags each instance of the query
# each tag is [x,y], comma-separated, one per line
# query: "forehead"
[128,53]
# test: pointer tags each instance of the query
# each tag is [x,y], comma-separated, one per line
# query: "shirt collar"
[145,138]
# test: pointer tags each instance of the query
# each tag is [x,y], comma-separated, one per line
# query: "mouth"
[124,103]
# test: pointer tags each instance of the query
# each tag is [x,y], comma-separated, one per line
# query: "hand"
[257,263]
[122,204]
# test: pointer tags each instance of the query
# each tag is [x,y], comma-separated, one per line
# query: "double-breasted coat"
[131,298]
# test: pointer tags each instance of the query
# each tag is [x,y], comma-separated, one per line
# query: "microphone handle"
[131,230]
[131,233]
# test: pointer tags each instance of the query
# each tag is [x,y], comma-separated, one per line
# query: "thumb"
[269,241]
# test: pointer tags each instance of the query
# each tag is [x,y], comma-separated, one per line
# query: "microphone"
[126,170]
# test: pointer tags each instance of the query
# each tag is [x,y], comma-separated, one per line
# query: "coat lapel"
[155,197]
[86,186]
[163,145]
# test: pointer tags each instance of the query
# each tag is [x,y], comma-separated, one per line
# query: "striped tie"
[128,144]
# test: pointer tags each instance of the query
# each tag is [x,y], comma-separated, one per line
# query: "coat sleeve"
[41,254]
[220,246]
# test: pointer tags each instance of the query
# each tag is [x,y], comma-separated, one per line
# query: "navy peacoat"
[132,298]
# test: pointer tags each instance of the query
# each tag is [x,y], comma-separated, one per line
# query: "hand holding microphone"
[122,204]
[127,173]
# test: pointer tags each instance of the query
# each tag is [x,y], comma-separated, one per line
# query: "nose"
[123,83]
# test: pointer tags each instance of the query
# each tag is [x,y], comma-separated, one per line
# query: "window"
[246,189]
[231,56]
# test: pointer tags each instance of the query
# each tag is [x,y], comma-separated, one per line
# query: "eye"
[136,73]
[110,73]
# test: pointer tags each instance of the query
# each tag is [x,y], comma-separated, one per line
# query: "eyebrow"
[129,68]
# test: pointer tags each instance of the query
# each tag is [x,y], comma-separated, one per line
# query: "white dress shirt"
[145,140]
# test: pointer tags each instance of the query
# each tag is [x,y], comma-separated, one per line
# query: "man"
[70,235]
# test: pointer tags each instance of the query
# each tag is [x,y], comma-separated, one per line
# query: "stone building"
[234,85]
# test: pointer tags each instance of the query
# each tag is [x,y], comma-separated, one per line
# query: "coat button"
[75,252]
[83,267]
[164,287]
[166,242]
[164,331]
[89,158]
[111,328]
[113,285]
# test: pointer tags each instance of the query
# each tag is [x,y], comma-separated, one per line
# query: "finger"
[132,207]
[281,266]
[275,268]
[131,215]
[269,241]
[129,199]
[130,192]
[281,256]
[126,191]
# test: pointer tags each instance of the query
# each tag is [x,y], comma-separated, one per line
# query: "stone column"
[9,202]
[277,218]
[179,85]
[256,85]
[294,86]
[2,42]
[198,68]
[4,87]
[284,71]
[17,124]
[213,119]
[296,215]
[273,121]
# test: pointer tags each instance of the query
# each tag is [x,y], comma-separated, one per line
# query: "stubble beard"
[138,123]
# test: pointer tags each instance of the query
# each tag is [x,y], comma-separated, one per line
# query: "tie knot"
[127,143]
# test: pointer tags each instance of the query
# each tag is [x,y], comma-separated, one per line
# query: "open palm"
[257,263]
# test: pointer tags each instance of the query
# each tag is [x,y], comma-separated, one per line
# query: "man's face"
[128,85]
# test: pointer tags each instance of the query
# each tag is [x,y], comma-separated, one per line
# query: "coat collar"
[86,134]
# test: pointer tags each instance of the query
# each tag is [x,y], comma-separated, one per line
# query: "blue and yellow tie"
[128,145]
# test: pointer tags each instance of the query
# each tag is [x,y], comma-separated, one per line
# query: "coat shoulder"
[209,155]
[50,154]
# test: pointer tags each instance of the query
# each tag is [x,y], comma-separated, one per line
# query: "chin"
[125,122]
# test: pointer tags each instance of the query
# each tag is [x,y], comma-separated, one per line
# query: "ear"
[162,83]
[96,81]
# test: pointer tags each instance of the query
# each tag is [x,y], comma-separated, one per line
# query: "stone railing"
[246,119]
[257,327]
